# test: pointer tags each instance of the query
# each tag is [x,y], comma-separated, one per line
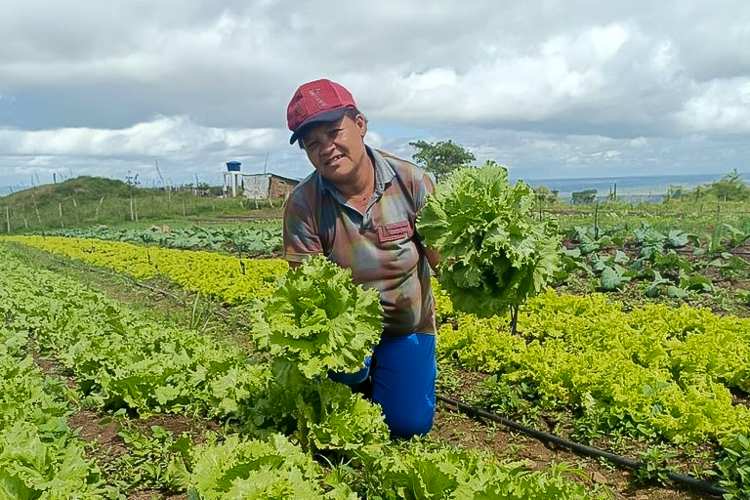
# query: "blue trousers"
[402,371]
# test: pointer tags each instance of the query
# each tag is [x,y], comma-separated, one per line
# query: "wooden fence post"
[36,209]
[96,212]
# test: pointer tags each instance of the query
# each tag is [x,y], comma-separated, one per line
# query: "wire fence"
[35,214]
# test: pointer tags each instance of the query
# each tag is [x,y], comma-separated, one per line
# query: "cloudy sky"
[550,88]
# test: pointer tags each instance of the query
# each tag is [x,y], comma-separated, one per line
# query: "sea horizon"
[638,185]
[642,187]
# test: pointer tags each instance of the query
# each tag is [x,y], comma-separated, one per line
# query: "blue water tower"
[233,166]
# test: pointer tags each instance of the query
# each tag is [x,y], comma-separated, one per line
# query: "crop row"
[122,360]
[674,263]
[227,278]
[653,374]
[40,457]
[255,240]
[663,371]
[683,348]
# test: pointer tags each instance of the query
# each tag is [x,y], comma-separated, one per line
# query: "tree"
[731,187]
[583,197]
[442,157]
[675,192]
[545,195]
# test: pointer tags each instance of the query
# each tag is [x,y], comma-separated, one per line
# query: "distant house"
[264,186]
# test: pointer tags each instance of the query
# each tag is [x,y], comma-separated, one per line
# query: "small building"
[264,186]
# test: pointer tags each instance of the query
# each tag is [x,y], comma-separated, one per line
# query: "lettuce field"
[149,365]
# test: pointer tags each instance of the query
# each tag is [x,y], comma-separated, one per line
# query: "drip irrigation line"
[683,251]
[579,448]
[711,254]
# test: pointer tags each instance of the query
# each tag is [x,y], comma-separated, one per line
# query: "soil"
[95,428]
[740,398]
[102,432]
[462,430]
[155,495]
[465,429]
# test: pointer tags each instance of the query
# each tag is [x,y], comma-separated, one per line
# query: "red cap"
[318,101]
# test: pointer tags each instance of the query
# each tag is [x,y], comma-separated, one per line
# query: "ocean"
[630,189]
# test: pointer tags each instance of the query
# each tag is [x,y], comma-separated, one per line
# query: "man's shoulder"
[308,186]
[404,168]
[396,161]
[306,196]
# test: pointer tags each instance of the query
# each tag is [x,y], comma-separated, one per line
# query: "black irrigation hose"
[581,448]
[688,251]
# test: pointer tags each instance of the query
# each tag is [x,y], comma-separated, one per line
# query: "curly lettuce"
[319,319]
[494,253]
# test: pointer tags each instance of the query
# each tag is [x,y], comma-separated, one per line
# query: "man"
[359,209]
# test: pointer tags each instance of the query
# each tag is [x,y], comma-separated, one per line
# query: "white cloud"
[721,106]
[547,85]
[164,136]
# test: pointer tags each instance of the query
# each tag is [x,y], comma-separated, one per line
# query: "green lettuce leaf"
[494,252]
[319,319]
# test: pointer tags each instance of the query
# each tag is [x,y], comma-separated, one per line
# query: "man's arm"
[300,241]
[433,257]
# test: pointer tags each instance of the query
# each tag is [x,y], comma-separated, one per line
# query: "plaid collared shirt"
[380,246]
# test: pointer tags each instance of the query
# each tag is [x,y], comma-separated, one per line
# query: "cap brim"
[327,116]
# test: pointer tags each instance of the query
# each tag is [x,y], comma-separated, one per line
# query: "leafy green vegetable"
[612,277]
[256,239]
[123,360]
[653,288]
[40,456]
[735,467]
[494,253]
[321,414]
[655,372]
[431,471]
[253,469]
[319,319]
[677,238]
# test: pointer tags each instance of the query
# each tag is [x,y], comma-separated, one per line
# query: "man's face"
[337,149]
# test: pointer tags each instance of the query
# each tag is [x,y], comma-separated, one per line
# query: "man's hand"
[433,257]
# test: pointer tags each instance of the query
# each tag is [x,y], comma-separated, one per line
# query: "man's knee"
[408,424]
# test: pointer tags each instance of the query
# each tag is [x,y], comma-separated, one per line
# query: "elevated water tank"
[233,166]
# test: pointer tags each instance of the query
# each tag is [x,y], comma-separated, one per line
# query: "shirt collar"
[384,172]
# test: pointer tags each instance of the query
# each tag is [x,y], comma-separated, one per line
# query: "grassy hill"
[83,188]
[86,201]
